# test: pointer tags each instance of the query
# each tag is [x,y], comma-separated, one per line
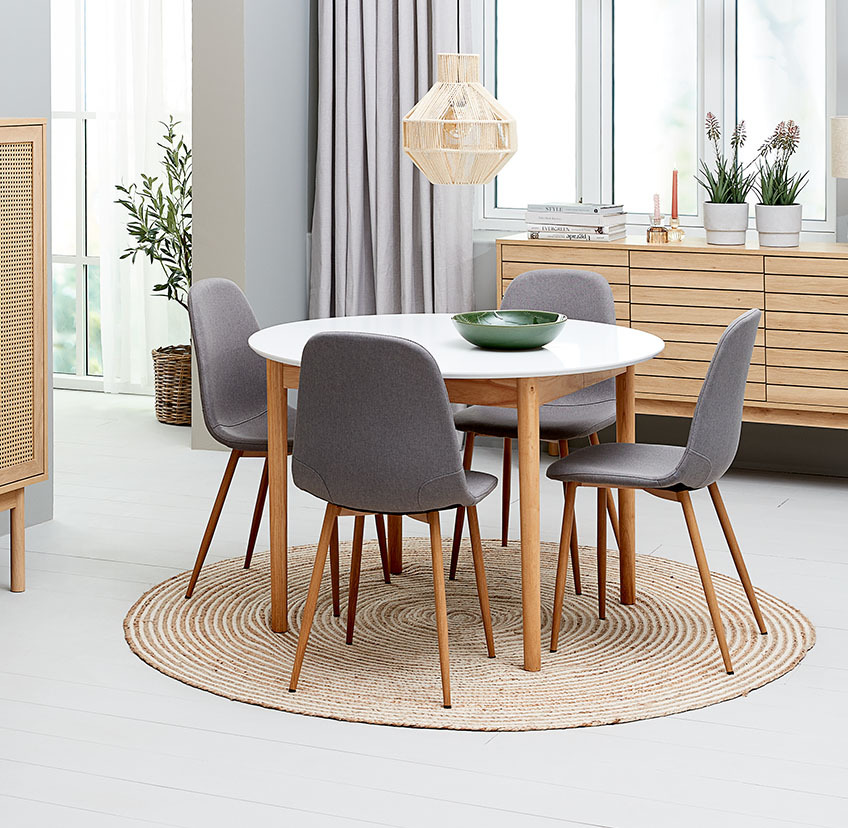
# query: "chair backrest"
[231,373]
[717,421]
[579,294]
[374,426]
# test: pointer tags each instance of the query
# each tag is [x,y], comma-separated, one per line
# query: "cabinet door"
[22,304]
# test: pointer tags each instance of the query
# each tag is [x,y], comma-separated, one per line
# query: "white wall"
[25,92]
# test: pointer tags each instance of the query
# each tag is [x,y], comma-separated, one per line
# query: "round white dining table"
[583,354]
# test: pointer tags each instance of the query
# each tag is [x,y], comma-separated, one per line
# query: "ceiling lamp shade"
[458,133]
[839,146]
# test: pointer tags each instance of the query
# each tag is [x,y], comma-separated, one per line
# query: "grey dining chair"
[347,392]
[235,409]
[579,294]
[671,472]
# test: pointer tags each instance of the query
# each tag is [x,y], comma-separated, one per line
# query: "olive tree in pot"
[160,226]
[778,211]
[727,186]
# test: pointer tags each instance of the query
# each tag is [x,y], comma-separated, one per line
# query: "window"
[76,265]
[611,95]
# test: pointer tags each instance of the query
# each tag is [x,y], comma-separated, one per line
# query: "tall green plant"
[731,181]
[776,185]
[160,216]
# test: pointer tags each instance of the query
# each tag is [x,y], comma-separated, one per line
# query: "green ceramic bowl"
[509,330]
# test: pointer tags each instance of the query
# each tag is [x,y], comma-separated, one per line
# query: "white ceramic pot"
[725,223]
[779,225]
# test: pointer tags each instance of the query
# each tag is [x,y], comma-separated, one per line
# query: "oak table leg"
[528,483]
[277,493]
[625,429]
[395,532]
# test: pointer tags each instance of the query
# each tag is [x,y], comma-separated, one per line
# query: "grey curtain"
[384,240]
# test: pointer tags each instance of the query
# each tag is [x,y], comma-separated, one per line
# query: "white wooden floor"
[90,736]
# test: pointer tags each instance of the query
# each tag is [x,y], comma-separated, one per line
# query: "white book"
[587,227]
[580,219]
[578,207]
[605,237]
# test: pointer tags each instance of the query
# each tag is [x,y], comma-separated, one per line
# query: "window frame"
[595,162]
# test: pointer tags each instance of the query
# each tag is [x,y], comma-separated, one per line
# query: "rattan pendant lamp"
[458,133]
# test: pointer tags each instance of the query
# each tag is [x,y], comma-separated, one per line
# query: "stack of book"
[576,222]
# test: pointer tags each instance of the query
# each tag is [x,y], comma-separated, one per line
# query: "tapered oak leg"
[625,430]
[506,486]
[562,562]
[528,490]
[395,539]
[334,568]
[706,577]
[480,575]
[602,553]
[384,549]
[736,553]
[213,519]
[613,514]
[312,596]
[277,492]
[441,604]
[17,540]
[257,514]
[575,549]
[355,568]
[460,510]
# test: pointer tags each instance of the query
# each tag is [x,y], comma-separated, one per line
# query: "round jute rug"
[652,659]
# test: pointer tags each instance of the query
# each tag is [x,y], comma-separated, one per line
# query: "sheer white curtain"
[139,74]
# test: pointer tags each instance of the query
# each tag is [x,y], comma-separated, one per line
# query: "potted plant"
[160,226]
[728,186]
[778,211]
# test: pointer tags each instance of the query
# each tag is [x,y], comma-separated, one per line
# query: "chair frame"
[684,499]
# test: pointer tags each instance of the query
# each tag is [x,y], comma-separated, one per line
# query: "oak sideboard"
[688,292]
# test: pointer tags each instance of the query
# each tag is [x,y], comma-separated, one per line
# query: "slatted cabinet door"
[23,449]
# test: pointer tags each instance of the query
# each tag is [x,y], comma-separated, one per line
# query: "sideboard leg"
[18,541]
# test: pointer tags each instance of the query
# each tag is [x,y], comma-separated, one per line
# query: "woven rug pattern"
[653,659]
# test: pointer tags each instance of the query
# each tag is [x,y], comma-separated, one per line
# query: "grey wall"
[25,92]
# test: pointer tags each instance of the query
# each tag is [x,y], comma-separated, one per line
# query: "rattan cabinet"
[23,324]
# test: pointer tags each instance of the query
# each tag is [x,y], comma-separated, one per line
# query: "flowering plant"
[731,181]
[776,185]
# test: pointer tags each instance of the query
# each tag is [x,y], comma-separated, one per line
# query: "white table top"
[581,347]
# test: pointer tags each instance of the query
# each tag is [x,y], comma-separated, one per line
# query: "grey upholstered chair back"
[374,426]
[579,294]
[717,421]
[231,373]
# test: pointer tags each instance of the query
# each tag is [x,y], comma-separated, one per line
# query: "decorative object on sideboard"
[727,185]
[160,226]
[675,232]
[657,231]
[458,133]
[581,221]
[778,211]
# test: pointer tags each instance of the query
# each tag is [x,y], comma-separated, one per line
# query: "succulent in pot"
[727,184]
[778,211]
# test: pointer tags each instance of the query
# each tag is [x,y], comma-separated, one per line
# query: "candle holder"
[657,232]
[675,232]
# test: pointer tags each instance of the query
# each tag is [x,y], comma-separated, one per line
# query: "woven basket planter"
[172,382]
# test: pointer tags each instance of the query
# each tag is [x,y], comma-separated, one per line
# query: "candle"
[657,215]
[674,194]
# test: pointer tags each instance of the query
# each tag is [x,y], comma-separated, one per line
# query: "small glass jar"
[657,232]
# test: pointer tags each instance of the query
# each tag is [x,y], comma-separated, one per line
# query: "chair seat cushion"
[629,465]
[252,434]
[557,421]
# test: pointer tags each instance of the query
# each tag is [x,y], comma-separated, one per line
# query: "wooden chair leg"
[460,511]
[257,515]
[613,514]
[562,563]
[384,549]
[312,595]
[480,575]
[575,549]
[736,553]
[602,553]
[355,568]
[706,578]
[441,604]
[506,486]
[334,568]
[213,519]
[17,541]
